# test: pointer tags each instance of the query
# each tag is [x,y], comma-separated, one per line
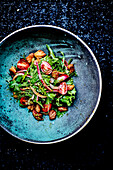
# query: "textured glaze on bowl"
[18,121]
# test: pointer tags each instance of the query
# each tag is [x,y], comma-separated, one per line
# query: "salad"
[43,83]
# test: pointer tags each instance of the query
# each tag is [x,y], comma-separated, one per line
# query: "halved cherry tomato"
[37,116]
[23,101]
[62,78]
[22,64]
[46,107]
[46,67]
[63,88]
[52,114]
[62,109]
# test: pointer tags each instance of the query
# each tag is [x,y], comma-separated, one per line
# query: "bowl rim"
[100,83]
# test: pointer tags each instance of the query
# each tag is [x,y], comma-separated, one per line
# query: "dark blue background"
[92,22]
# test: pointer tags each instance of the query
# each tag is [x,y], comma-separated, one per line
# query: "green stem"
[70,60]
[51,51]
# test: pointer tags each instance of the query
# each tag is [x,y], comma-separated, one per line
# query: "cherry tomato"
[62,78]
[62,109]
[52,114]
[47,107]
[22,64]
[37,116]
[46,67]
[23,101]
[63,88]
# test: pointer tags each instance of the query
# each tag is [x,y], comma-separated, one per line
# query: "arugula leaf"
[24,56]
[72,92]
[23,77]
[70,81]
[39,102]
[16,88]
[34,79]
[58,103]
[50,60]
[21,105]
[24,84]
[12,84]
[18,79]
[59,114]
[70,60]
[67,100]
[51,95]
[48,100]
[47,81]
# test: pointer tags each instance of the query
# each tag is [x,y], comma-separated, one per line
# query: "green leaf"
[59,114]
[58,102]
[70,60]
[70,81]
[24,84]
[39,102]
[67,100]
[12,84]
[72,92]
[21,105]
[18,79]
[47,81]
[51,95]
[24,56]
[24,76]
[16,88]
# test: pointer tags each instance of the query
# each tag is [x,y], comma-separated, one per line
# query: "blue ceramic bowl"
[18,121]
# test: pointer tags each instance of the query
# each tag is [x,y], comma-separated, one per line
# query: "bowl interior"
[18,121]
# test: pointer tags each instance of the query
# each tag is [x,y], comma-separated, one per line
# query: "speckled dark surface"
[92,22]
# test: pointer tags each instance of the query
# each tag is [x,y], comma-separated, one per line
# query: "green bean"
[70,60]
[51,51]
